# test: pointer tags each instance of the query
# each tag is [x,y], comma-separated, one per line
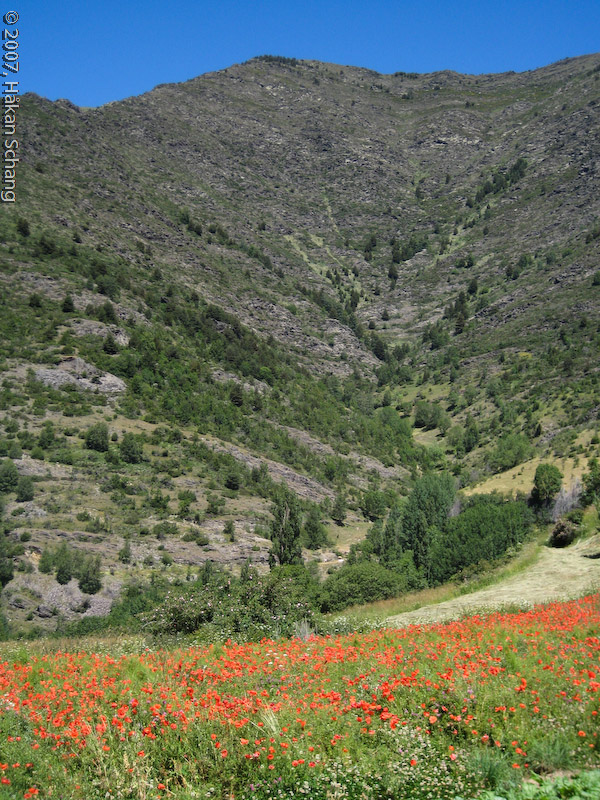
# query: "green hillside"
[360,287]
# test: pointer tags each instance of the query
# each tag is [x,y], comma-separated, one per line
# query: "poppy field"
[442,711]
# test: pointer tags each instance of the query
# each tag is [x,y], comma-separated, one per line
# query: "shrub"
[24,489]
[96,438]
[163,529]
[563,534]
[90,576]
[358,583]
[130,449]
[512,449]
[373,504]
[9,476]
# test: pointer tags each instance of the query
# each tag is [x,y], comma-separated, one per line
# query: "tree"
[338,512]
[359,583]
[110,345]
[46,563]
[90,576]
[512,449]
[373,504]
[591,483]
[46,437]
[68,306]
[427,508]
[63,562]
[315,534]
[471,438]
[6,563]
[24,489]
[229,530]
[285,528]
[124,553]
[9,476]
[546,483]
[23,226]
[96,437]
[236,395]
[130,449]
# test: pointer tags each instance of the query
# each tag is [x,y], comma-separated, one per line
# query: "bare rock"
[76,372]
[34,468]
[91,327]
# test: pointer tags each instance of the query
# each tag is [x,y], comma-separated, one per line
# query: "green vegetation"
[295,386]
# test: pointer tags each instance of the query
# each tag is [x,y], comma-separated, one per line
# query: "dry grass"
[343,537]
[432,596]
[520,478]
[553,575]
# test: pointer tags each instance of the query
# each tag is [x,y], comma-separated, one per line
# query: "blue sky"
[94,51]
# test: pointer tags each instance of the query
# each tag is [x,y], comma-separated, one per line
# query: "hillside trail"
[557,574]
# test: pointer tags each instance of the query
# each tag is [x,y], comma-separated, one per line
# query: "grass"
[520,478]
[382,609]
[464,710]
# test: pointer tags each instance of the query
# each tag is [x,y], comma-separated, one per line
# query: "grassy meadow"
[467,709]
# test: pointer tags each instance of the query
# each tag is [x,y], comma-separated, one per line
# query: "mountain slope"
[351,278]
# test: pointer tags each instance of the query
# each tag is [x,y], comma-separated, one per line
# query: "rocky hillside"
[294,272]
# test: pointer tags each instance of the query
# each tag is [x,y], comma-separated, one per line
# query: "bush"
[96,438]
[373,504]
[24,489]
[130,449]
[563,534]
[90,576]
[9,476]
[358,583]
[163,529]
[512,449]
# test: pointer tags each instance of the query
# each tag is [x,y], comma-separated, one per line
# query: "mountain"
[345,277]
